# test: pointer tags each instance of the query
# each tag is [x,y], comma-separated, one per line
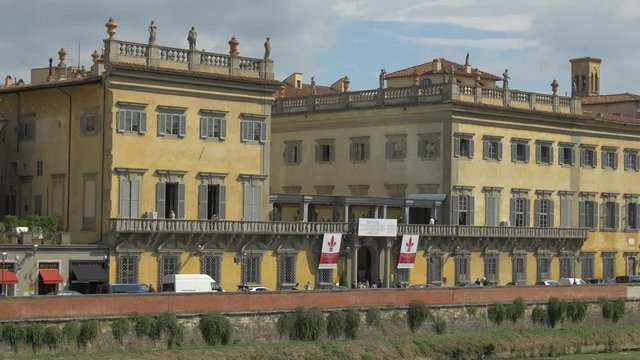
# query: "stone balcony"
[118,51]
[168,226]
[436,93]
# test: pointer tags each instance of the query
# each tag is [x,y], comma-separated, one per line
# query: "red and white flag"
[408,250]
[330,251]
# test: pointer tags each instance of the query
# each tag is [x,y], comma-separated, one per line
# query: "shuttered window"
[252,202]
[519,267]
[287,270]
[544,268]
[129,198]
[631,162]
[588,214]
[463,267]
[543,213]
[611,213]
[132,120]
[169,265]
[463,210]
[211,265]
[254,129]
[434,269]
[609,159]
[127,269]
[519,212]
[491,268]
[588,266]
[213,127]
[609,265]
[567,266]
[251,269]
[174,124]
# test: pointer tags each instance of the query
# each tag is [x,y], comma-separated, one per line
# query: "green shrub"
[516,310]
[10,223]
[539,315]
[215,329]
[285,324]
[52,337]
[336,325]
[577,311]
[497,313]
[88,333]
[472,310]
[120,329]
[556,311]
[70,331]
[613,310]
[417,314]
[34,336]
[352,318]
[308,324]
[143,325]
[373,318]
[439,325]
[167,323]
[13,334]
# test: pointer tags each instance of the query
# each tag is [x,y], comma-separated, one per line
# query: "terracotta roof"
[246,79]
[611,117]
[305,90]
[609,99]
[53,84]
[427,68]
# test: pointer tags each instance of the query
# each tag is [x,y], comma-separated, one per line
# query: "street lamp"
[4,287]
[35,278]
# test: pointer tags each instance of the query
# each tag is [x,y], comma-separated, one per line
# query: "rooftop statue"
[191,38]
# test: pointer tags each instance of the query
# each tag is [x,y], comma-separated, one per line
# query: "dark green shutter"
[582,222]
[536,213]
[455,215]
[471,211]
[456,147]
[471,149]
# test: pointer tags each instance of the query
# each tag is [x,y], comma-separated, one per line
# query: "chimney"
[437,65]
[8,81]
[294,80]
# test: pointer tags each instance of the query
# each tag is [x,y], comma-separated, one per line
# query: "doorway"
[364,265]
[420,215]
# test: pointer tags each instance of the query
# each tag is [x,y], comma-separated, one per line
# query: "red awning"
[51,276]
[8,277]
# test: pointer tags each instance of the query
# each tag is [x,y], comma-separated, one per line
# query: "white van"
[189,283]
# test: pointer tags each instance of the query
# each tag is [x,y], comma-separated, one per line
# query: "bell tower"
[585,76]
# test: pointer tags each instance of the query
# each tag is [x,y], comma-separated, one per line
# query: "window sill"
[542,163]
[631,230]
[253,142]
[566,165]
[212,139]
[293,164]
[493,160]
[359,161]
[520,162]
[424,158]
[463,157]
[325,162]
[608,230]
[397,159]
[588,166]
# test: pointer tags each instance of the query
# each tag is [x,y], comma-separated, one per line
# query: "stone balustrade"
[432,94]
[168,226]
[117,51]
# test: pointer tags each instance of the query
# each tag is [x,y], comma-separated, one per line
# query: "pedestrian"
[295,287]
[477,281]
[379,283]
[307,286]
[151,289]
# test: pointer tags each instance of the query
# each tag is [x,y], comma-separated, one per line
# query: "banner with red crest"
[408,250]
[330,251]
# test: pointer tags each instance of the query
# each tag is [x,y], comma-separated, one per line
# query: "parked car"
[123,289]
[601,281]
[517,283]
[338,287]
[548,283]
[572,281]
[628,279]
[190,283]
[423,286]
[470,285]
[259,289]
[64,293]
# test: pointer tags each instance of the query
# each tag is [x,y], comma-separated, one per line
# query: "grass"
[463,346]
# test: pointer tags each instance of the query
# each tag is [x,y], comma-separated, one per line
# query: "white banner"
[378,227]
[408,250]
[330,251]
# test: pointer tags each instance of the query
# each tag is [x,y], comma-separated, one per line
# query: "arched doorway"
[364,265]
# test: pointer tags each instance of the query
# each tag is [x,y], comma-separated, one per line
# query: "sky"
[329,39]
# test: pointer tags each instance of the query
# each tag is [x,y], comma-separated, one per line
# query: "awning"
[8,277]
[51,276]
[85,274]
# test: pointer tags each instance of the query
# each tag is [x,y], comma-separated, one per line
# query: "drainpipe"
[66,229]
[102,171]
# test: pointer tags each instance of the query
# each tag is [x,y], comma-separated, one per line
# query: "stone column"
[305,211]
[384,211]
[376,212]
[346,213]
[387,263]
[354,261]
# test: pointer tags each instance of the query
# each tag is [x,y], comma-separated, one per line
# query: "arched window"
[425,83]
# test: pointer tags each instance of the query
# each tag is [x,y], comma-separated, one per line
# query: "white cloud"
[491,44]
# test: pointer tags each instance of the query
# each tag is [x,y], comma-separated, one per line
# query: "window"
[26,127]
[520,150]
[609,265]
[543,216]
[403,276]
[566,209]
[632,215]
[130,197]
[396,190]
[252,202]
[463,146]
[324,189]
[544,152]
[132,119]
[172,123]
[434,275]
[588,211]
[492,148]
[169,265]
[611,215]
[632,264]
[396,147]
[463,210]
[287,270]
[425,83]
[588,156]
[491,268]
[89,202]
[519,267]
[292,153]
[254,129]
[213,127]
[359,149]
[566,154]
[212,201]
[588,266]
[39,168]
[609,158]
[127,269]
[631,162]
[359,189]
[325,151]
[210,265]
[567,266]
[462,268]
[428,146]
[519,211]
[170,199]
[13,168]
[38,205]
[325,276]
[91,123]
[544,267]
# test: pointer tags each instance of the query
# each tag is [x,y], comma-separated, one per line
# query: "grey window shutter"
[490,214]
[526,153]
[595,215]
[551,213]
[367,150]
[527,212]
[256,202]
[602,154]
[244,133]
[248,202]
[143,122]
[318,152]
[615,160]
[471,149]
[181,198]
[514,152]
[538,153]
[352,151]
[83,124]
[595,159]
[456,147]
[583,157]
[204,127]
[135,199]
[422,148]
[203,205]
[223,129]
[162,124]
[563,212]
[500,151]
[161,189]
[582,214]
[637,208]
[389,148]
[471,211]
[222,202]
[536,213]
[550,155]
[286,154]
[125,197]
[512,212]
[485,150]
[332,152]
[573,157]
[560,156]
[616,217]
[183,125]
[625,159]
[637,157]
[436,147]
[120,119]
[404,149]
[455,216]
[263,131]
